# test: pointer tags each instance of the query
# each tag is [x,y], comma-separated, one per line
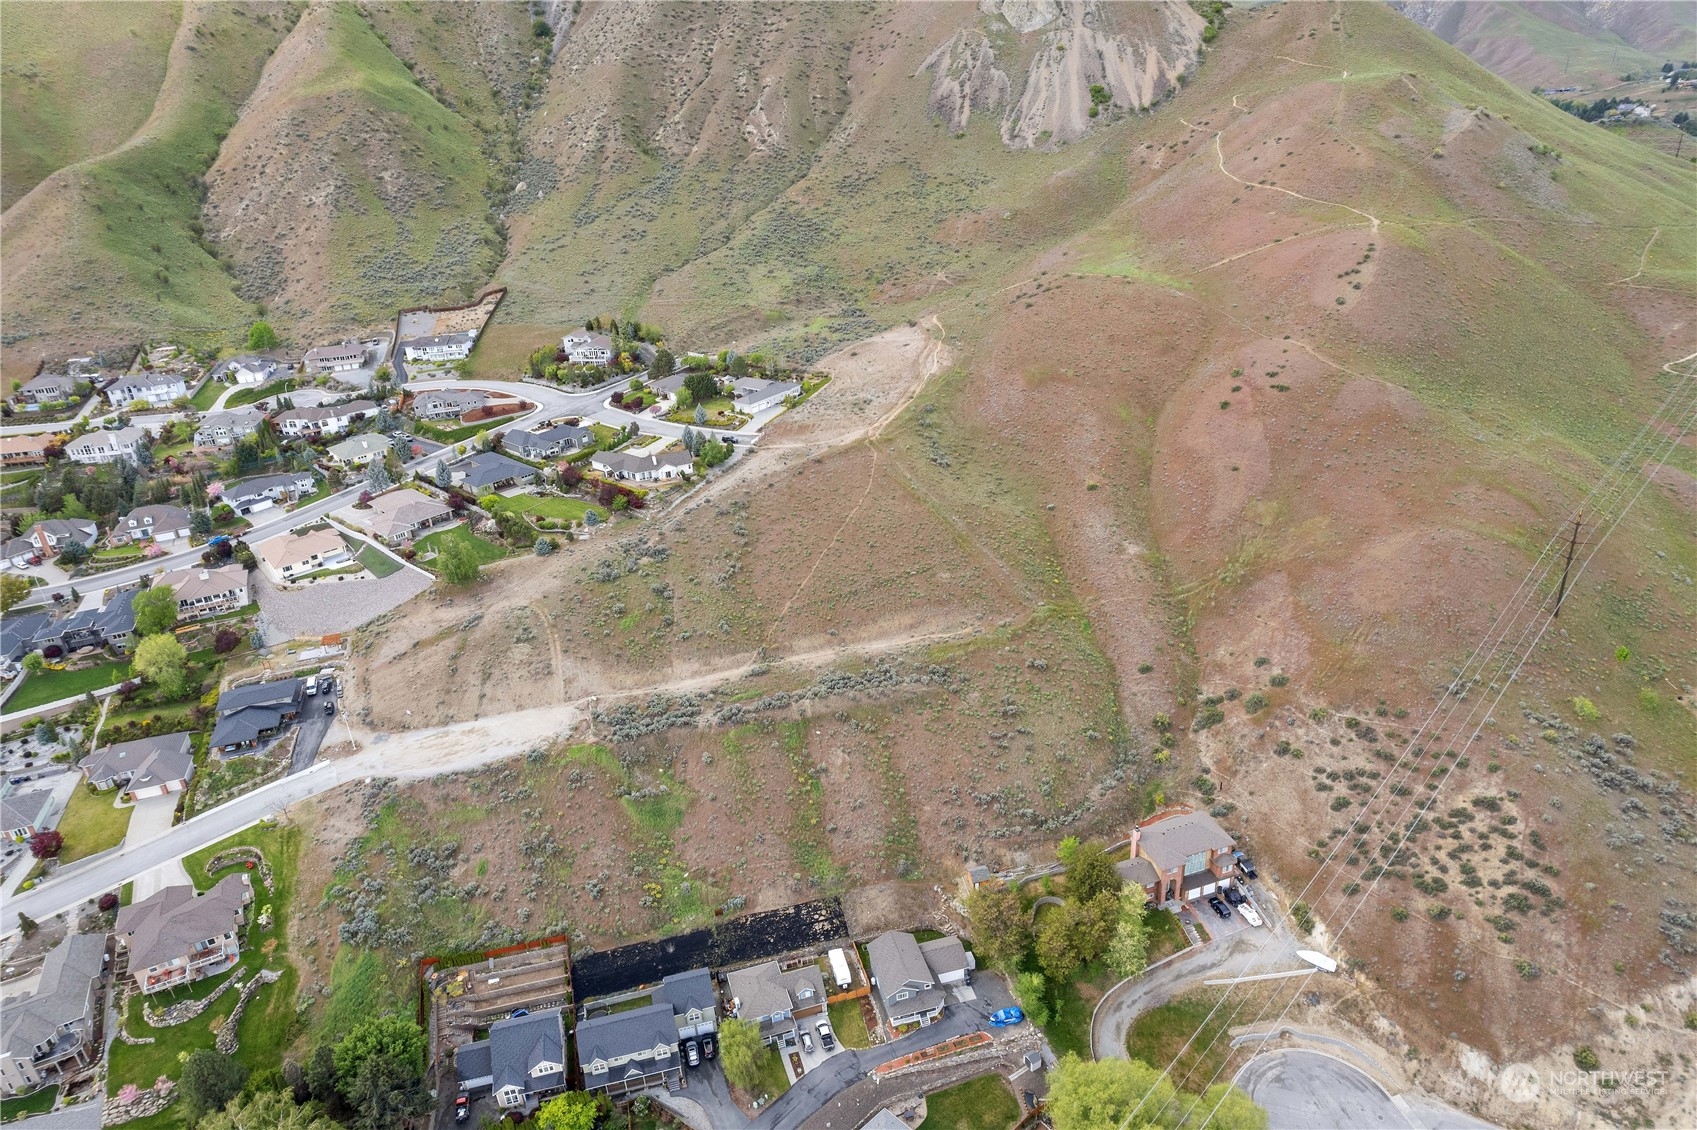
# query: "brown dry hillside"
[1257,409]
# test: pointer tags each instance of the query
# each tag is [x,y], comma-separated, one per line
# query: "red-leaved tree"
[46,845]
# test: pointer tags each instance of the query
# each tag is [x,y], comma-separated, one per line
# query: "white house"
[329,420]
[443,347]
[250,496]
[156,390]
[252,370]
[643,468]
[751,394]
[106,446]
[587,348]
[341,358]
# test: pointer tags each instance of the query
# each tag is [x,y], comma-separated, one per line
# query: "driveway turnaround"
[1308,1090]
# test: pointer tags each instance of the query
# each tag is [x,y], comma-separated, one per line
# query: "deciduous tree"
[1001,926]
[1091,872]
[155,609]
[740,1051]
[575,1110]
[209,1081]
[268,1110]
[261,337]
[1101,1094]
[458,564]
[162,661]
[46,845]
[12,590]
[1128,952]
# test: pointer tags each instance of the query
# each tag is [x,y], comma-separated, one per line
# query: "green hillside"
[54,115]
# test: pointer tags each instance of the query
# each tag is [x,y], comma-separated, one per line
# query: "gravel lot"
[339,606]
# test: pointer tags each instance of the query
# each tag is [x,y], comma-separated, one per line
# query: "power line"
[1604,494]
[1687,419]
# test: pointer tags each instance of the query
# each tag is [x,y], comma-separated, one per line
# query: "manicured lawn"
[1069,1031]
[984,1103]
[772,1082]
[258,392]
[721,413]
[37,1102]
[560,509]
[1166,936]
[379,563]
[849,1023]
[485,551]
[91,824]
[207,395]
[460,434]
[50,686]
[270,1023]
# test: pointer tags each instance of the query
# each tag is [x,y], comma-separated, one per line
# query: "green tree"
[1001,926]
[386,1091]
[261,337]
[444,477]
[268,1110]
[700,415]
[155,609]
[701,385]
[662,366]
[162,661]
[1091,872]
[200,522]
[741,1050]
[390,1034]
[457,562]
[1128,952]
[1056,952]
[576,1110]
[1101,1094]
[12,590]
[34,663]
[73,553]
[1032,991]
[1093,925]
[210,1081]
[713,453]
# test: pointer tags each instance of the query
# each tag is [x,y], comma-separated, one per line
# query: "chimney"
[1136,840]
[205,576]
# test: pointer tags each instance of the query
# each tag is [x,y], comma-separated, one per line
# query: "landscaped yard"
[773,1081]
[378,563]
[549,506]
[1166,936]
[270,1022]
[984,1103]
[1069,1031]
[37,1102]
[51,686]
[849,1024]
[721,413]
[485,551]
[91,824]
[258,392]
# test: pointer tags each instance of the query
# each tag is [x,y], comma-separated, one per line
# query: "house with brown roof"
[342,358]
[398,515]
[1179,855]
[23,451]
[204,591]
[290,556]
[177,936]
[327,420]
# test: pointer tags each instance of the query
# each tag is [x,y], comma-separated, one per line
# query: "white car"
[1250,914]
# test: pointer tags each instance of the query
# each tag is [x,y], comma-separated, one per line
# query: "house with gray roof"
[587,348]
[751,394]
[110,624]
[907,985]
[440,347]
[22,815]
[447,403]
[625,1052]
[221,429]
[520,1063]
[250,496]
[47,388]
[487,471]
[544,443]
[145,767]
[147,390]
[49,1033]
[178,935]
[343,358]
[50,535]
[159,523]
[247,715]
[776,998]
[17,633]
[643,468]
[694,1002]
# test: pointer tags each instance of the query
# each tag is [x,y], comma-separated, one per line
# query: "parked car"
[1235,896]
[1220,907]
[826,1039]
[692,1052]
[330,706]
[806,1040]
[1247,866]
[1006,1017]
[709,1047]
[311,685]
[1250,914]
[18,780]
[462,1109]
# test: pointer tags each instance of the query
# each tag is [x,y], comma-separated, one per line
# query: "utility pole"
[1572,544]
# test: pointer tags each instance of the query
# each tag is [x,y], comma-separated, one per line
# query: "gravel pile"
[336,607]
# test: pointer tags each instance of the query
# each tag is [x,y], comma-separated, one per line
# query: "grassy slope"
[104,251]
[54,115]
[399,177]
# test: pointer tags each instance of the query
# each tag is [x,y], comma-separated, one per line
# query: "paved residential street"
[1309,1090]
